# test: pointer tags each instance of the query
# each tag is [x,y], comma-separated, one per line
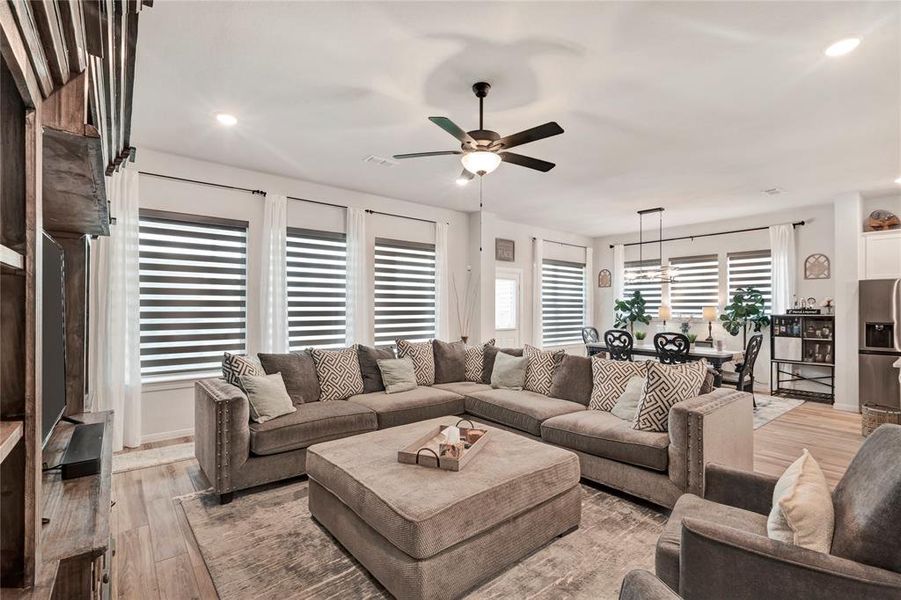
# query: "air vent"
[380,160]
[775,191]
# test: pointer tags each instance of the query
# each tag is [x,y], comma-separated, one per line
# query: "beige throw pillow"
[509,372]
[628,402]
[398,375]
[267,397]
[802,512]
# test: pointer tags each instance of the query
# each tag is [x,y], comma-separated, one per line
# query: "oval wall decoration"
[817,266]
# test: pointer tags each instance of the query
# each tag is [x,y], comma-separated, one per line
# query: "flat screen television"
[53,336]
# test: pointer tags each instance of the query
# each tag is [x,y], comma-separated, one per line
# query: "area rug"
[152,457]
[264,544]
[772,407]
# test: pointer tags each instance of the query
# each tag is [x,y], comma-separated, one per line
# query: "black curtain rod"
[561,243]
[387,214]
[262,193]
[701,235]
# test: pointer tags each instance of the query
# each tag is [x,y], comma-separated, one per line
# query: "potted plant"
[640,335]
[630,311]
[692,338]
[745,310]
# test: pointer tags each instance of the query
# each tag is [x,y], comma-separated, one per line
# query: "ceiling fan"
[482,150]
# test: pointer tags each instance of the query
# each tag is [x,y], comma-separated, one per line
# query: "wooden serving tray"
[425,450]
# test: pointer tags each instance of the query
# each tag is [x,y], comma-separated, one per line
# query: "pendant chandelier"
[658,273]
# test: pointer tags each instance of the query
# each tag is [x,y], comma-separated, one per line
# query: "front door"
[508,307]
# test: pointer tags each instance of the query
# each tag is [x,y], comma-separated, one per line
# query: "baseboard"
[166,435]
[854,408]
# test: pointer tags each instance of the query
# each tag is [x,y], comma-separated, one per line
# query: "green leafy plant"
[745,310]
[692,337]
[631,311]
[640,335]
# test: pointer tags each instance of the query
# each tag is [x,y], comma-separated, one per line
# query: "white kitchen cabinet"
[881,254]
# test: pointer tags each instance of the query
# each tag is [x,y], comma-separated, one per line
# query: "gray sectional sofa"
[236,453]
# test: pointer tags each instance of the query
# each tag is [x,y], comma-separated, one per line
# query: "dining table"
[716,358]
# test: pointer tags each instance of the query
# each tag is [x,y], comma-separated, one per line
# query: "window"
[562,302]
[193,287]
[404,291]
[506,303]
[317,285]
[697,284]
[751,269]
[651,291]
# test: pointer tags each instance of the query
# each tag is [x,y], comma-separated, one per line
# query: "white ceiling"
[696,107]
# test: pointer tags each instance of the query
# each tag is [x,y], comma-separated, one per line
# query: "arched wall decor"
[817,266]
[605,279]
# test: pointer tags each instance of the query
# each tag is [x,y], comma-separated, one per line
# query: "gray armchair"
[642,585]
[717,546]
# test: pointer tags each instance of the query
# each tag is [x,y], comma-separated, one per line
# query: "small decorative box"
[433,450]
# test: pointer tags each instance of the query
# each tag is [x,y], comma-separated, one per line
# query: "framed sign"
[504,250]
[817,266]
[604,278]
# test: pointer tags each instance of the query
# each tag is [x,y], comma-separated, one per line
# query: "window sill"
[161,385]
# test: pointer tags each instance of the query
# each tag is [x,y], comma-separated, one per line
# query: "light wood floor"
[157,556]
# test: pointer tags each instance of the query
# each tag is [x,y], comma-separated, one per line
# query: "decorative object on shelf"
[873,415]
[882,220]
[692,337]
[662,273]
[828,304]
[817,266]
[664,313]
[630,311]
[719,345]
[640,335]
[605,279]
[745,310]
[504,250]
[709,314]
[465,306]
[813,346]
[685,325]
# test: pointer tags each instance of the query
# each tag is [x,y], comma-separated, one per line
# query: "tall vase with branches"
[466,305]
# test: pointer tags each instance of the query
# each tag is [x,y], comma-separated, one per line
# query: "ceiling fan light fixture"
[480,162]
[461,181]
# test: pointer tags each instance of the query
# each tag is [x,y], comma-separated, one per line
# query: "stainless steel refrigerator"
[880,341]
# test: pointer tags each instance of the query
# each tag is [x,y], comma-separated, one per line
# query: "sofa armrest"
[643,585]
[221,431]
[720,562]
[741,489]
[716,427]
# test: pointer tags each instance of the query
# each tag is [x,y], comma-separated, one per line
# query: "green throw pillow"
[398,374]
[509,372]
[267,396]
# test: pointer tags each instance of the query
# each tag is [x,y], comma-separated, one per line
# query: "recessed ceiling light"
[227,119]
[898,181]
[842,47]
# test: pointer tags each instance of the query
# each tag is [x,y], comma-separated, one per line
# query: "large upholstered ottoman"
[429,533]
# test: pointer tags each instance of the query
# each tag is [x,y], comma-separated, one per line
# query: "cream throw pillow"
[267,397]
[802,512]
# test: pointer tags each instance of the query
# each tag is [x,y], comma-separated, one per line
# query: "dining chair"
[743,377]
[590,336]
[672,347]
[619,344]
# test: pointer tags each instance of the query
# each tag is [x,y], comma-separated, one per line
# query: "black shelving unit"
[815,350]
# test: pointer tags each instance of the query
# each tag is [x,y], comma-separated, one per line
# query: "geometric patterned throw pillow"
[475,357]
[540,372]
[338,372]
[235,365]
[667,385]
[609,380]
[423,359]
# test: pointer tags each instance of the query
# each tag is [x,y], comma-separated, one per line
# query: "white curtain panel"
[442,291]
[782,250]
[274,288]
[114,356]
[588,319]
[537,261]
[357,303]
[619,271]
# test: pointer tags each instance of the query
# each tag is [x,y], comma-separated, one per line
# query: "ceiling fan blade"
[529,135]
[422,154]
[527,161]
[453,129]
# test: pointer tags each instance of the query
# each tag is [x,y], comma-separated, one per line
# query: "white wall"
[816,236]
[168,408]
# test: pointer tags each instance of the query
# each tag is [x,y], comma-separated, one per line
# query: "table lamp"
[709,313]
[664,314]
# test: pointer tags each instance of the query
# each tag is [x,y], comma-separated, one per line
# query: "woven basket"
[872,416]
